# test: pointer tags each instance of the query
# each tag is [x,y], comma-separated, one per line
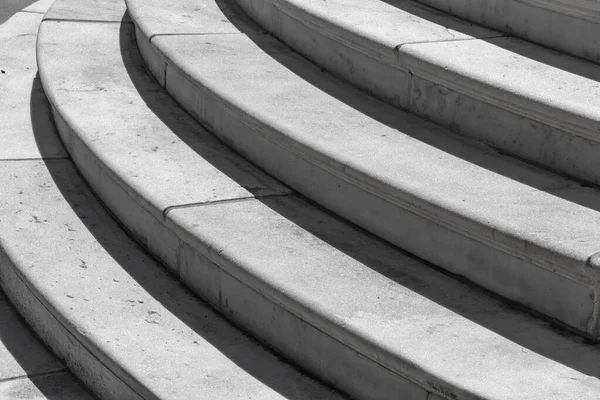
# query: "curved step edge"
[463,93]
[513,257]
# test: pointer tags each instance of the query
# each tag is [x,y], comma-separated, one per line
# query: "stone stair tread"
[525,99]
[288,105]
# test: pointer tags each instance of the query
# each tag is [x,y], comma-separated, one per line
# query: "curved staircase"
[273,226]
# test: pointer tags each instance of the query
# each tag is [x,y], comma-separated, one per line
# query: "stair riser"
[559,24]
[514,124]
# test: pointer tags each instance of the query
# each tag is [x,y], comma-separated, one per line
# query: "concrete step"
[519,231]
[121,323]
[524,99]
[351,309]
[571,26]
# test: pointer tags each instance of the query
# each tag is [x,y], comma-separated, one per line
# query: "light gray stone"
[283,268]
[40,6]
[101,11]
[513,94]
[477,214]
[23,104]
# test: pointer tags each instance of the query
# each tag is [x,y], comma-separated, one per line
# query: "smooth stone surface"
[444,335]
[120,306]
[101,11]
[59,386]
[500,227]
[23,104]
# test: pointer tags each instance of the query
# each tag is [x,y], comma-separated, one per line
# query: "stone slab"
[24,106]
[115,309]
[358,40]
[417,322]
[502,217]
[102,11]
[371,55]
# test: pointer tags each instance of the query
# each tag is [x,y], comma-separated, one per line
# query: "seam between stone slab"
[86,21]
[331,34]
[217,202]
[38,375]
[32,12]
[193,34]
[36,159]
[58,317]
[497,97]
[398,47]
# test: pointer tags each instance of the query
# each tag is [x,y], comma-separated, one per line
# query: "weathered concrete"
[570,26]
[538,107]
[503,228]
